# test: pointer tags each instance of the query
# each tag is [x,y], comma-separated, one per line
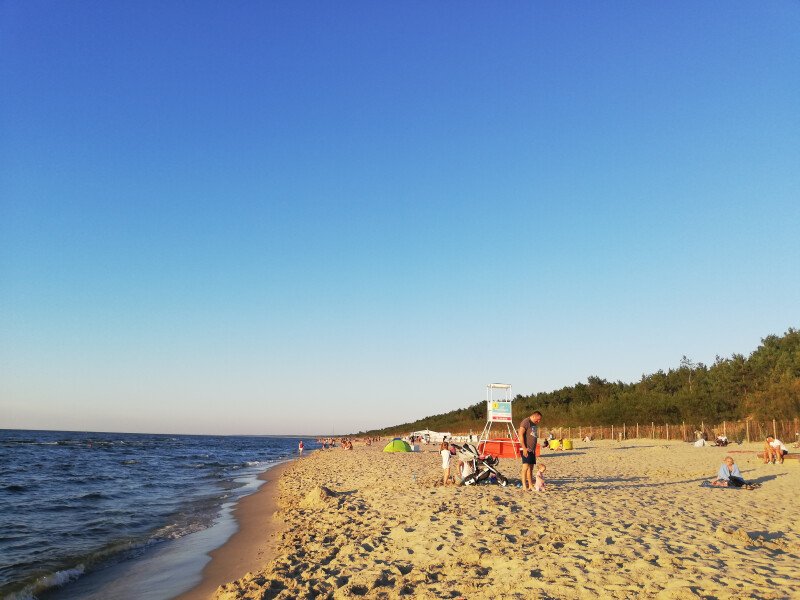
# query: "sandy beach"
[618,520]
[252,544]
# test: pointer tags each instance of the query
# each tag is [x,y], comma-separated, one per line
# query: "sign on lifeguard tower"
[499,411]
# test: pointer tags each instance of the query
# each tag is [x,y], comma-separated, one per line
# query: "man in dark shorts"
[528,433]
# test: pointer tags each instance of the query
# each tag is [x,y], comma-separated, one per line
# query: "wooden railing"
[788,431]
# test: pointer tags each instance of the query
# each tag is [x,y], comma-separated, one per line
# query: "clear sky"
[307,217]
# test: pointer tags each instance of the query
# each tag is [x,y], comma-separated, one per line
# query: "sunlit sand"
[618,519]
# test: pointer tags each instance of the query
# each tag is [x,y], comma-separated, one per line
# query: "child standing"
[444,450]
[539,484]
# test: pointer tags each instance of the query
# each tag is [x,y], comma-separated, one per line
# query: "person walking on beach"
[528,434]
[300,447]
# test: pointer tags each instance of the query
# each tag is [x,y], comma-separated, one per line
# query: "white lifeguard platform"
[498,411]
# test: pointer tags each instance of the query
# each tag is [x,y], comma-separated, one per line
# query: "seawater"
[80,512]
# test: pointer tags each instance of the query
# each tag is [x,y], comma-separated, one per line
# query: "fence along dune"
[786,430]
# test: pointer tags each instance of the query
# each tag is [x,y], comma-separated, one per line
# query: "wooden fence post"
[747,428]
[569,433]
[684,431]
[612,432]
[653,429]
[580,435]
[637,431]
[774,429]
[624,432]
[725,428]
[667,431]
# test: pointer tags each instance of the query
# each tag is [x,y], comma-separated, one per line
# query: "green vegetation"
[765,385]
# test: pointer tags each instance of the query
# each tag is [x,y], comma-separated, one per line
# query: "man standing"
[528,434]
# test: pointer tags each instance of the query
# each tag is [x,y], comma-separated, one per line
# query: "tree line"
[764,385]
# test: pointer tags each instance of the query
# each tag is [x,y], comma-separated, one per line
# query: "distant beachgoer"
[539,485]
[445,452]
[774,450]
[722,440]
[528,434]
[729,475]
[587,439]
[300,447]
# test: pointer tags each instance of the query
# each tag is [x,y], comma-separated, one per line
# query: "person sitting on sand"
[729,475]
[539,484]
[444,450]
[774,450]
[465,468]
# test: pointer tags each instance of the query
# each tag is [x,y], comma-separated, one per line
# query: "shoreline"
[252,546]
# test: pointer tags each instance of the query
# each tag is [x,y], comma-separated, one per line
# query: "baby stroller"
[483,466]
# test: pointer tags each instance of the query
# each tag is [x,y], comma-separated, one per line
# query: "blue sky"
[303,217]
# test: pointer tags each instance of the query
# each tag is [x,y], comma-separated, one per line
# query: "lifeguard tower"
[498,411]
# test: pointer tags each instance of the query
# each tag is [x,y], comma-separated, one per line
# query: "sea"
[121,515]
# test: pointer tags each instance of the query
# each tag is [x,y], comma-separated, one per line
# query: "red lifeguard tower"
[498,410]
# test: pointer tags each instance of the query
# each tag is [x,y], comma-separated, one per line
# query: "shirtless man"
[528,432]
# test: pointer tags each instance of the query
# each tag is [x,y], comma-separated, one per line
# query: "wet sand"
[253,544]
[617,520]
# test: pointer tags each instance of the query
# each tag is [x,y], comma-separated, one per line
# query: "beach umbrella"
[397,445]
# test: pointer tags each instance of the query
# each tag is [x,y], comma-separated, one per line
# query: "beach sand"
[617,520]
[253,543]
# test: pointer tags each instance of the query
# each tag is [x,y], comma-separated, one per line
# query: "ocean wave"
[15,488]
[96,496]
[46,582]
[112,502]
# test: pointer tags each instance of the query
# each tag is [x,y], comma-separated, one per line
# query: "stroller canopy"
[397,445]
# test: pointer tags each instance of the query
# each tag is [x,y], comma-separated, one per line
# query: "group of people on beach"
[729,474]
[448,452]
[532,476]
[326,443]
